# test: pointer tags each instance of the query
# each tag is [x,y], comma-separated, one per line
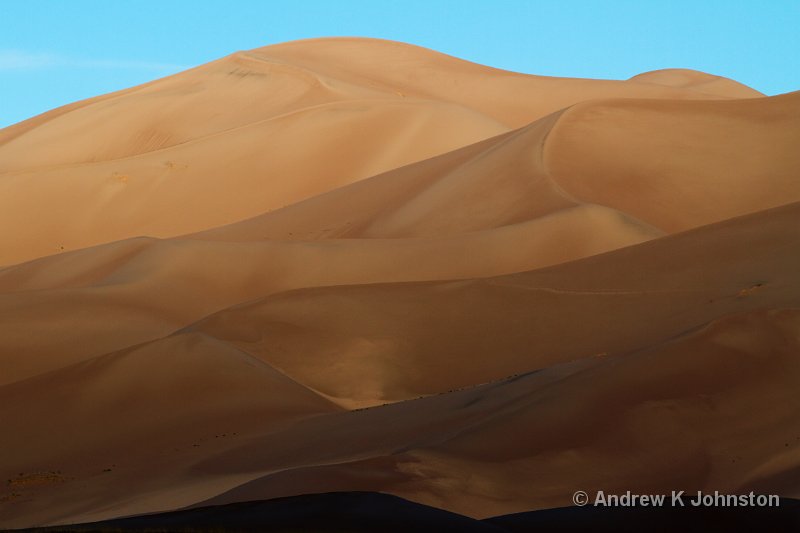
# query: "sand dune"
[70,307]
[335,337]
[684,415]
[330,339]
[358,265]
[371,512]
[698,81]
[185,153]
[109,200]
[663,161]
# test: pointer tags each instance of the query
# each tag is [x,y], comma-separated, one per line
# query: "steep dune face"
[663,162]
[656,162]
[351,264]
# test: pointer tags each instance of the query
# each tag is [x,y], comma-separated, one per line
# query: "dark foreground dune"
[369,512]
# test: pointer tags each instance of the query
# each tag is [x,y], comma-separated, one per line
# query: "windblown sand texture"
[359,265]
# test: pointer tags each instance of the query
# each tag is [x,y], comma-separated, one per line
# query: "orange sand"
[353,264]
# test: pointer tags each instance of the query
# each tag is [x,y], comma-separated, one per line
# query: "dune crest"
[698,81]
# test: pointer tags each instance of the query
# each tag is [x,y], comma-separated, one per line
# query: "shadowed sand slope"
[358,265]
[73,306]
[369,512]
[666,346]
[689,414]
[390,335]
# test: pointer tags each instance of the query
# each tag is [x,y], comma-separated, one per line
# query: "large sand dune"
[359,265]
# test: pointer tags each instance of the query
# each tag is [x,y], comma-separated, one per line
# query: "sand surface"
[359,265]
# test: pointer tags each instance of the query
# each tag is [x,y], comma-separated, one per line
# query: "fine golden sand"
[352,264]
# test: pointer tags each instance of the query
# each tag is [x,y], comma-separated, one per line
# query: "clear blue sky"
[53,52]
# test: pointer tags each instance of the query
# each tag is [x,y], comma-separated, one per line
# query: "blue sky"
[53,52]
